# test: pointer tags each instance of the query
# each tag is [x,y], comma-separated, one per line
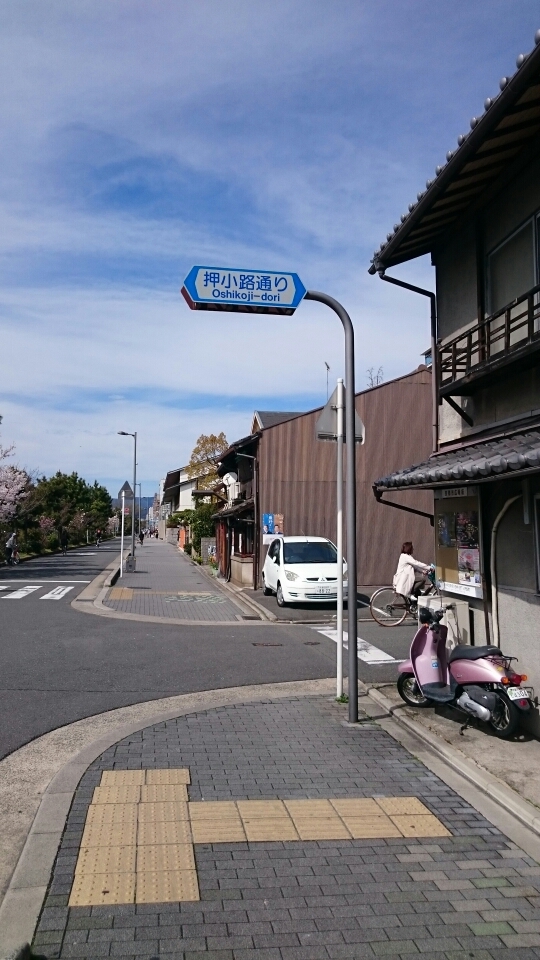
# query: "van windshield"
[305,552]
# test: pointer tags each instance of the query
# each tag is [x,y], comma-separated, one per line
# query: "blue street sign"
[252,291]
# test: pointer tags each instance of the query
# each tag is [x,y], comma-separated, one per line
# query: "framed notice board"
[457,541]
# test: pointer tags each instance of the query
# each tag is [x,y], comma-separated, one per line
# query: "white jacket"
[405,574]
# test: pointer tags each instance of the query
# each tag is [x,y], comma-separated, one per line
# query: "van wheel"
[266,590]
[279,597]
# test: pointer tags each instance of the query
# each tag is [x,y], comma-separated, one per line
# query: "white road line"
[366,651]
[56,594]
[5,588]
[20,594]
[44,580]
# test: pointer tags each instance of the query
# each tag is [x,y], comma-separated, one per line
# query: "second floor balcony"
[507,341]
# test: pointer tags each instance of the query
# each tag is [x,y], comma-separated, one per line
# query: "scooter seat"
[473,653]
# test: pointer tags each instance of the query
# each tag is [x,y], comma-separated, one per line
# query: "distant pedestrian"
[11,546]
[98,538]
[64,540]
[141,537]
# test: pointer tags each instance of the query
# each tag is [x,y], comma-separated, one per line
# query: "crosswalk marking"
[23,592]
[366,651]
[56,594]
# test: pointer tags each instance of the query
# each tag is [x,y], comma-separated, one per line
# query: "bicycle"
[389,608]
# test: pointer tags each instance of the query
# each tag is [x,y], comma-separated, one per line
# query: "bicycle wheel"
[388,608]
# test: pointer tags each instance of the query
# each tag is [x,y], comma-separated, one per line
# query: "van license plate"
[516,693]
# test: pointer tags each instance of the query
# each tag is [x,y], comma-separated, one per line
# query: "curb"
[21,907]
[486,782]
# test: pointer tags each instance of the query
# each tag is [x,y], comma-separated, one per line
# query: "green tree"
[199,521]
[204,459]
[64,501]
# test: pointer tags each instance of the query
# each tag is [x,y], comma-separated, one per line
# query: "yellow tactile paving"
[122,778]
[361,807]
[167,886]
[106,860]
[321,828]
[278,828]
[261,809]
[128,794]
[167,776]
[140,829]
[121,593]
[212,810]
[109,834]
[400,806]
[91,890]
[217,831]
[310,808]
[366,828]
[102,813]
[172,856]
[163,792]
[420,826]
[163,812]
[164,831]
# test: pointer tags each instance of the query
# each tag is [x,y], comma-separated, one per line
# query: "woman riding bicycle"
[410,576]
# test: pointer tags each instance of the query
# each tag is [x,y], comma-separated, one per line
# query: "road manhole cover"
[267,644]
[312,643]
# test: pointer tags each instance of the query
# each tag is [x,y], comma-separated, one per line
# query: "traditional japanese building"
[479,219]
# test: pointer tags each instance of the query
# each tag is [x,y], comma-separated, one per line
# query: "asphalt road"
[59,665]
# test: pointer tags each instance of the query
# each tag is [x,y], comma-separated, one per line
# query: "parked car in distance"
[302,569]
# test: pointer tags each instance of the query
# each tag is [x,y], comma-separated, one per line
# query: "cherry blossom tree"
[13,485]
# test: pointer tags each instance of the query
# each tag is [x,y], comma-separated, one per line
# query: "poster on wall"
[467,529]
[469,566]
[446,529]
[272,527]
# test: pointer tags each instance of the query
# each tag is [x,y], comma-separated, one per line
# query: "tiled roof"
[271,418]
[490,458]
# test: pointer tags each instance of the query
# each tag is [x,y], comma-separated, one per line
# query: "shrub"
[188,548]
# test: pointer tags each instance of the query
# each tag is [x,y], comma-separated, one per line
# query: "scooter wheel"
[504,718]
[410,692]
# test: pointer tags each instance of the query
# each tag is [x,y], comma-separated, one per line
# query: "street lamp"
[125,433]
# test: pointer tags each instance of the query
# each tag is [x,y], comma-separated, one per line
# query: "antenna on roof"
[327,365]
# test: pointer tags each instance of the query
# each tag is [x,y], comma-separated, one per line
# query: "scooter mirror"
[425,615]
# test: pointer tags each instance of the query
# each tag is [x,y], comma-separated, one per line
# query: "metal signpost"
[267,291]
[122,534]
[329,426]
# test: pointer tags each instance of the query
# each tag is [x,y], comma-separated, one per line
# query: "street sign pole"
[339,538]
[122,534]
[350,494]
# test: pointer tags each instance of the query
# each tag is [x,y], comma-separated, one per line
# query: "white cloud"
[139,138]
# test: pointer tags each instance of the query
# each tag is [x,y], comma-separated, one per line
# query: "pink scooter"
[477,681]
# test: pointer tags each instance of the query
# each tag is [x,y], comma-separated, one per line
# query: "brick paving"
[166,584]
[472,896]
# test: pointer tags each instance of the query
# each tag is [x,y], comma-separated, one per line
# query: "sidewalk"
[167,584]
[353,848]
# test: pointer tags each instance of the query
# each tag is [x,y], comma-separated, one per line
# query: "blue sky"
[140,138]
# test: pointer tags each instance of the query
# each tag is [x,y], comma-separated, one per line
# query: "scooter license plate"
[517,693]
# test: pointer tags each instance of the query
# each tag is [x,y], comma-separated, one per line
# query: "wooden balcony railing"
[505,334]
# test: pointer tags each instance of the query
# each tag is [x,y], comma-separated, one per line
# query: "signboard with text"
[246,291]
